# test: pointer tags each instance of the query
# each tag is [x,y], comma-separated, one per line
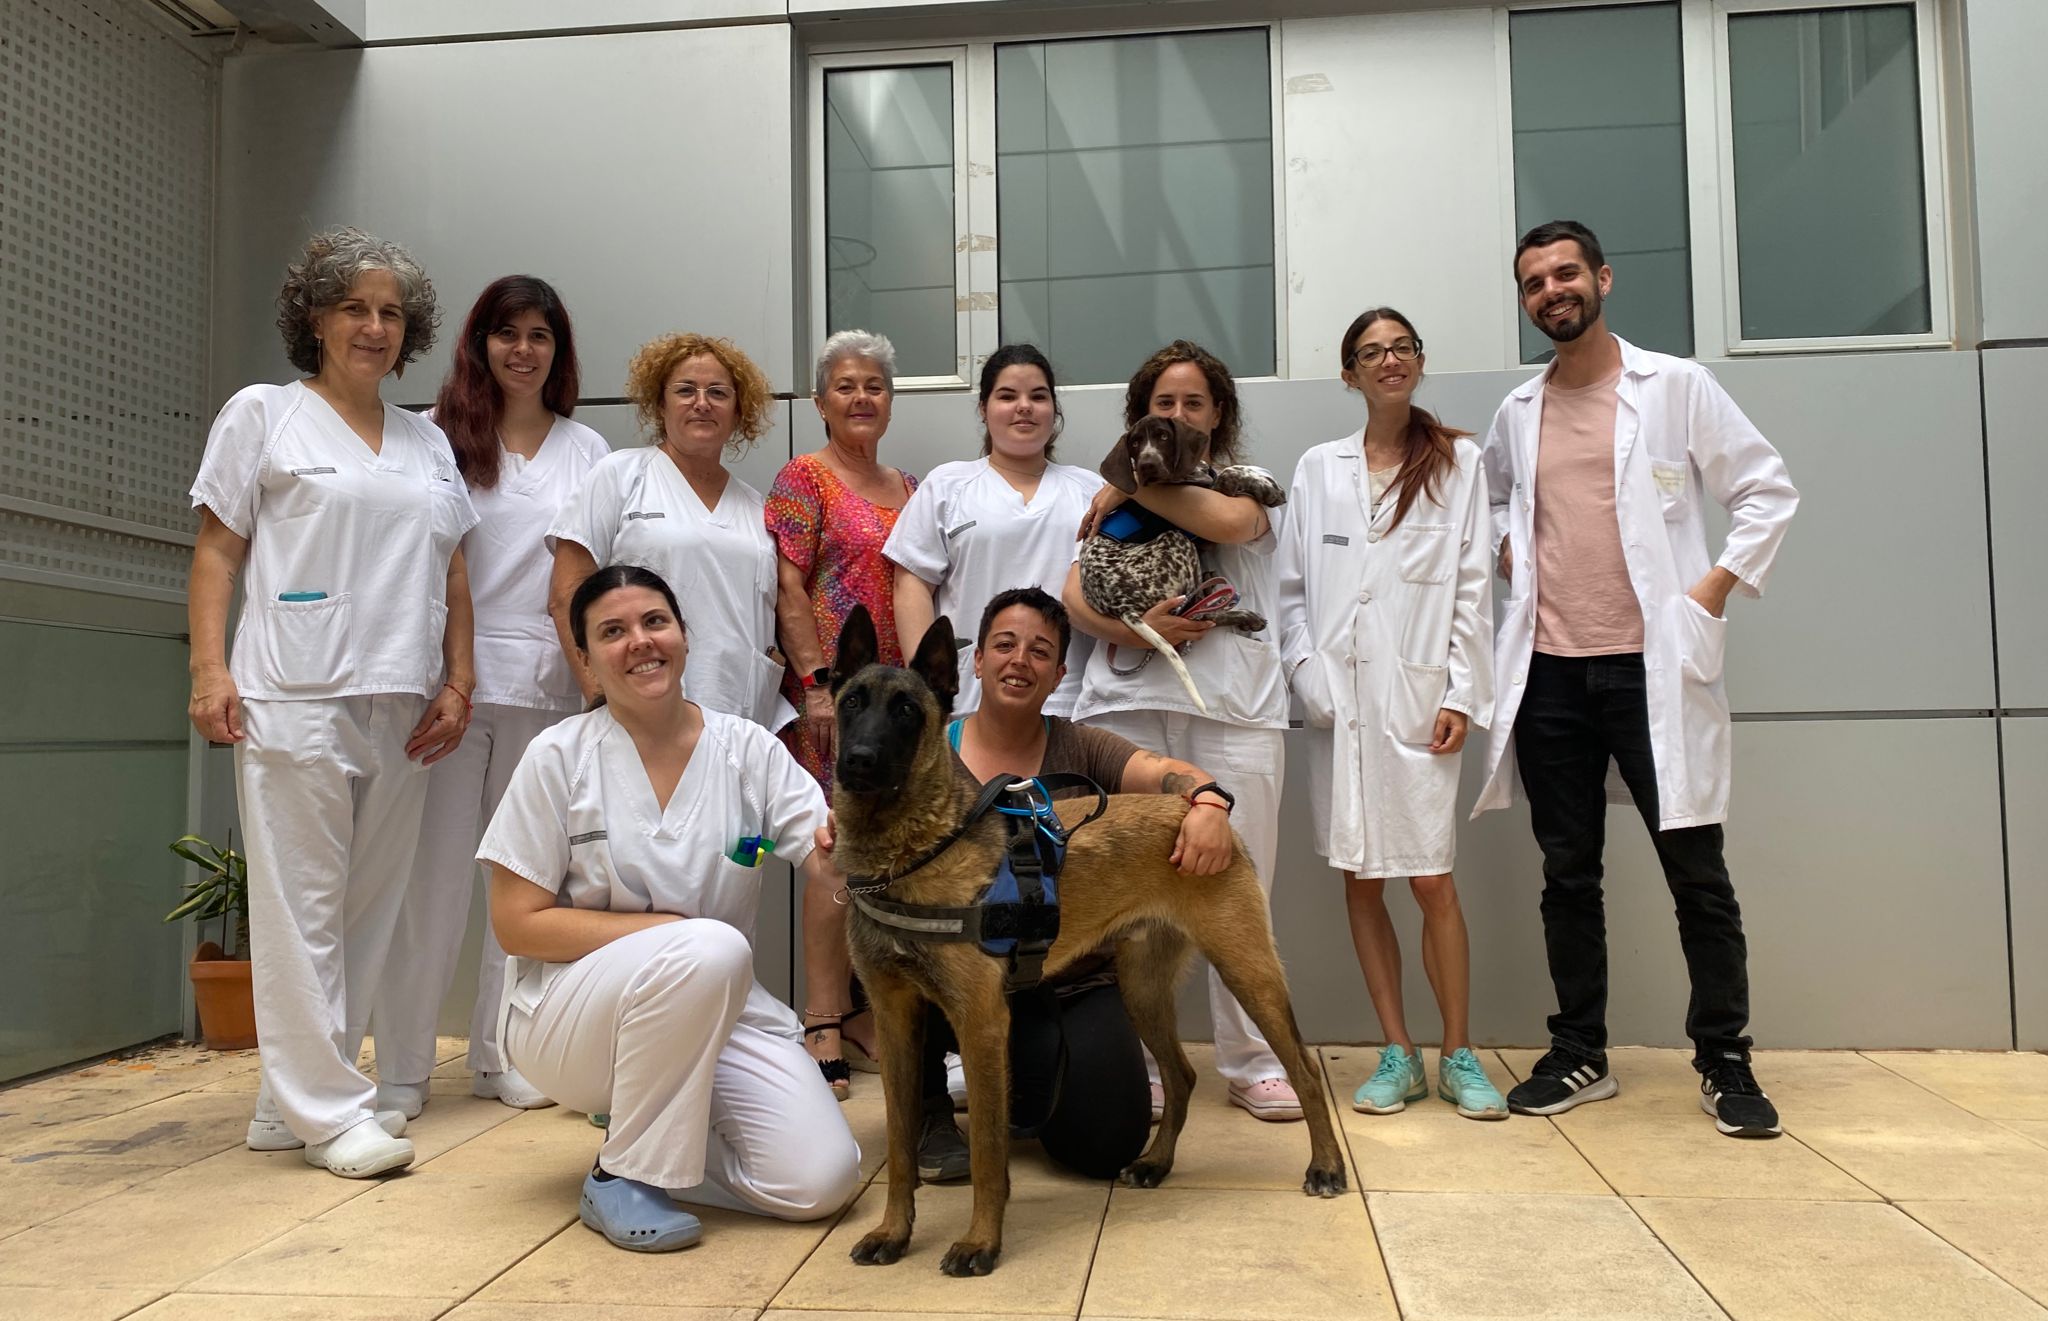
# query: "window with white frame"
[1132,201]
[1830,188]
[1599,135]
[1812,216]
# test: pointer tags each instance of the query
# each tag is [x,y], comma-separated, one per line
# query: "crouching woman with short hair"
[626,864]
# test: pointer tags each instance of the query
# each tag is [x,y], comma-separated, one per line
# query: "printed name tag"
[312,472]
[1669,480]
[963,527]
[587,837]
[1335,539]
[651,513]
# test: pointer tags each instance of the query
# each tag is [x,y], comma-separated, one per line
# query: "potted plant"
[220,981]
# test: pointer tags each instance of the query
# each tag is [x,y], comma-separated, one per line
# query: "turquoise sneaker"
[1398,1080]
[1461,1079]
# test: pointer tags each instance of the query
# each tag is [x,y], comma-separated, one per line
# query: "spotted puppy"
[1135,559]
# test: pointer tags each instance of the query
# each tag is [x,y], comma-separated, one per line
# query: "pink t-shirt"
[1585,605]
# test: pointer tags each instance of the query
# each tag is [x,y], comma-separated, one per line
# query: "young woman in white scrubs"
[1007,519]
[1239,672]
[1386,629]
[626,864]
[505,409]
[674,508]
[350,675]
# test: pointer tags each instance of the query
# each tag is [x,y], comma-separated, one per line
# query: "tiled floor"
[1907,1185]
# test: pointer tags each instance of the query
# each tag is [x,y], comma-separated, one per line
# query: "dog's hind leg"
[1171,655]
[1148,967]
[980,1013]
[899,1025]
[1237,937]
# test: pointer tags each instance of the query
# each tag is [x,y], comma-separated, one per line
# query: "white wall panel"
[2008,105]
[646,175]
[1395,184]
[2026,837]
[442,20]
[2016,441]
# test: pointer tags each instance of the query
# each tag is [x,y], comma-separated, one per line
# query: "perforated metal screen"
[106,183]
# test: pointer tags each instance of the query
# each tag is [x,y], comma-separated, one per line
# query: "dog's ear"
[1116,468]
[1188,447]
[858,647]
[937,662]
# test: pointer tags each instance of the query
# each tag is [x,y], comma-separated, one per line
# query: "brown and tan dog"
[899,791]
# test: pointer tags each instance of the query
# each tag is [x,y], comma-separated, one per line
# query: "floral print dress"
[834,537]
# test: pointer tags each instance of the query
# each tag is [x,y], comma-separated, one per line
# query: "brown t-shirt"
[1585,604]
[1072,749]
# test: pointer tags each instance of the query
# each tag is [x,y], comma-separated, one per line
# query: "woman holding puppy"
[1239,672]
[1386,630]
[1004,520]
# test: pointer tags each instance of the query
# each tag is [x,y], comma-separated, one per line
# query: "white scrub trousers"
[1249,763]
[712,1110]
[463,789]
[330,808]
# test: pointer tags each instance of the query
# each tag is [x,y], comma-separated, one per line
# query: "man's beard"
[1564,332]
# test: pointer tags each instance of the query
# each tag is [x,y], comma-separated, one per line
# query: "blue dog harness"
[1016,916]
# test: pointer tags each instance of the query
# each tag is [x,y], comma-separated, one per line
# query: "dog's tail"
[1172,657]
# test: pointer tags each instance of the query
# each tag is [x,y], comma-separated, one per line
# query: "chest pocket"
[1674,486]
[1427,552]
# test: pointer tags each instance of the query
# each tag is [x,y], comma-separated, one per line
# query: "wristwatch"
[1229,798]
[816,678]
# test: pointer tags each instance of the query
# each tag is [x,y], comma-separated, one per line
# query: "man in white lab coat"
[1610,650]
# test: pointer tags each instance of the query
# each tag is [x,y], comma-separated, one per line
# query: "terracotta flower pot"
[227,1001]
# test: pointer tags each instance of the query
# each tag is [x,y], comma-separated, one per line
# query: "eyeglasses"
[1369,355]
[687,394]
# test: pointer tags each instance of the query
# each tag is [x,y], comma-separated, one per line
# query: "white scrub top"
[344,591]
[580,820]
[636,507]
[519,660]
[1238,672]
[968,534]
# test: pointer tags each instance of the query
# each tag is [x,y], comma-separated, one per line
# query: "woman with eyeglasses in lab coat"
[626,865]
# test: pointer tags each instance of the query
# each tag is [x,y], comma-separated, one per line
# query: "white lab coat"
[966,533]
[636,507]
[1381,627]
[703,1071]
[1677,437]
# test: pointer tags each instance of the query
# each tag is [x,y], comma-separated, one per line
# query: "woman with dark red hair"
[505,408]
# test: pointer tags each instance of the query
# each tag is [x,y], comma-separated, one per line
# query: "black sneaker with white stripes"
[1559,1082]
[1729,1092]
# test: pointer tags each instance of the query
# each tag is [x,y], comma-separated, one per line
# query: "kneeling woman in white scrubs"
[351,673]
[626,863]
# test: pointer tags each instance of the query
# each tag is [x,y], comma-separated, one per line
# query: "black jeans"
[1077,1077]
[1577,712]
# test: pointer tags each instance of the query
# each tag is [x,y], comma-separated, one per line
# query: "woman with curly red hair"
[505,409]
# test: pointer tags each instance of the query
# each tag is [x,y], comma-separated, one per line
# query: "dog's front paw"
[1243,479]
[1322,1182]
[1144,1174]
[965,1258]
[880,1247]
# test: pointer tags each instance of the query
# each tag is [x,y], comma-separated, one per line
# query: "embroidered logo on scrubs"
[312,472]
[587,837]
[1335,539]
[632,514]
[963,527]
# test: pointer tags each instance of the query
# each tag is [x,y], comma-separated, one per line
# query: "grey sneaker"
[1398,1080]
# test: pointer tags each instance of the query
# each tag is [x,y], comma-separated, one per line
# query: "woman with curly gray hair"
[351,673]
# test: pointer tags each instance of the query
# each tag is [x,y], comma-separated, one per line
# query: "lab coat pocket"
[1674,487]
[1418,695]
[1428,552]
[1311,682]
[1702,642]
[308,644]
[767,687]
[733,895]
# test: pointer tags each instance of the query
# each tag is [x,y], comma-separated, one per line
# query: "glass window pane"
[1134,198]
[1830,215]
[889,211]
[1599,114]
